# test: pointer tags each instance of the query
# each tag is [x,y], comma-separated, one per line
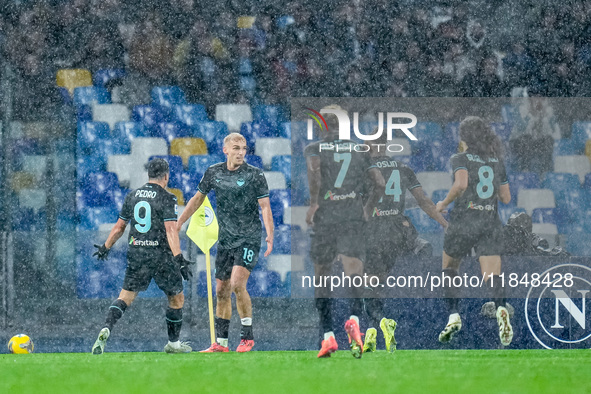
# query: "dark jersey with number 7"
[146,209]
[343,171]
[485,176]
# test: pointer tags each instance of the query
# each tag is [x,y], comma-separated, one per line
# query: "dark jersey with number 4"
[399,178]
[146,209]
[237,193]
[485,176]
[343,173]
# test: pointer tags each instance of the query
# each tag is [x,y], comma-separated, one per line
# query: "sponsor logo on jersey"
[137,242]
[240,182]
[336,197]
[486,207]
[145,193]
[388,212]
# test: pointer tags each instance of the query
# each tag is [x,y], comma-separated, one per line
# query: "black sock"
[222,326]
[375,310]
[498,292]
[325,312]
[246,333]
[451,292]
[116,310]
[174,322]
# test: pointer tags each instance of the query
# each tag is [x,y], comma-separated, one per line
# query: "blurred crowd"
[230,51]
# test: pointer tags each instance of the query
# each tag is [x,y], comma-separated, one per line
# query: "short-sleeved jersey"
[399,178]
[485,176]
[237,193]
[147,209]
[343,173]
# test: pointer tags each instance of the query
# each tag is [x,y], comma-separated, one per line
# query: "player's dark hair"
[480,137]
[157,168]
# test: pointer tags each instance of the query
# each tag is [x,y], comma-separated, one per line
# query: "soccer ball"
[20,344]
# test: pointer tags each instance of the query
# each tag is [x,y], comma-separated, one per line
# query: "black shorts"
[486,239]
[245,256]
[387,241]
[160,267]
[345,238]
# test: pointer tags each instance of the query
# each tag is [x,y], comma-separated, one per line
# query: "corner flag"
[203,230]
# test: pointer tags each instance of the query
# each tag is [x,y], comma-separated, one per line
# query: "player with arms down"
[154,252]
[240,188]
[390,234]
[336,176]
[479,182]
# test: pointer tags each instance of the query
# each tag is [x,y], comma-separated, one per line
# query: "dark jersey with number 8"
[485,176]
[146,209]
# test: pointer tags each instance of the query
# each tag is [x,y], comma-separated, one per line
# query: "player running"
[479,181]
[390,234]
[240,188]
[336,175]
[153,241]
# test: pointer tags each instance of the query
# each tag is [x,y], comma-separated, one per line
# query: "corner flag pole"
[203,231]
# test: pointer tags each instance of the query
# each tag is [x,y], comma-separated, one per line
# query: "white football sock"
[328,335]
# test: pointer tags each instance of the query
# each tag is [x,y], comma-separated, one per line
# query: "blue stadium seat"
[439,195]
[578,244]
[89,133]
[282,163]
[543,215]
[86,95]
[119,196]
[88,164]
[200,163]
[84,113]
[107,147]
[213,133]
[427,131]
[441,152]
[247,84]
[423,223]
[558,181]
[270,115]
[24,219]
[170,131]
[282,241]
[564,147]
[244,66]
[254,160]
[285,130]
[202,284]
[149,116]
[522,180]
[570,204]
[280,201]
[581,132]
[510,114]
[189,183]
[587,184]
[98,187]
[189,114]
[127,131]
[166,97]
[253,130]
[452,133]
[104,76]
[92,217]
[503,130]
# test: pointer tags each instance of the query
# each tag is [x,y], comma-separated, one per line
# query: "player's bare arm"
[313,165]
[268,220]
[427,205]
[191,207]
[173,237]
[505,193]
[457,189]
[377,190]
[116,233]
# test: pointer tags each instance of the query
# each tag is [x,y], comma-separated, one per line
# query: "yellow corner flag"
[203,230]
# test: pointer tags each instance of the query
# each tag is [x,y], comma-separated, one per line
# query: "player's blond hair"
[234,137]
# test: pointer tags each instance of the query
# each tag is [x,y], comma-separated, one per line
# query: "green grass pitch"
[405,371]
